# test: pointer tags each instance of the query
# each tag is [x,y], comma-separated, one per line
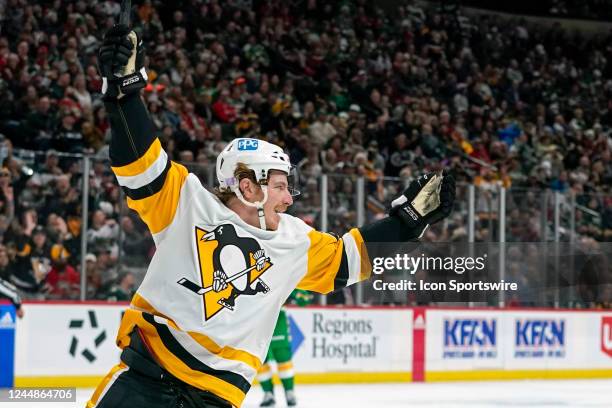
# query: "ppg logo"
[248,144]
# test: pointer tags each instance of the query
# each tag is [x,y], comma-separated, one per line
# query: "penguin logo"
[230,266]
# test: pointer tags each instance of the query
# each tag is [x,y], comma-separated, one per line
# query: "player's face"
[279,199]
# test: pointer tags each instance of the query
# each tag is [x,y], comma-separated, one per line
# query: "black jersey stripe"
[148,190]
[193,363]
[343,271]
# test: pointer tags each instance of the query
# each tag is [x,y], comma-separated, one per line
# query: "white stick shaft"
[230,278]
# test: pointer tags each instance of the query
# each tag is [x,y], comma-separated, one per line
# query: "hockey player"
[280,351]
[7,289]
[181,345]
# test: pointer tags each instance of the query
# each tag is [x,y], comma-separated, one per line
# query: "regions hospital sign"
[350,340]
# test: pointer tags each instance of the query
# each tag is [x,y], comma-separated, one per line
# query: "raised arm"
[150,180]
[335,262]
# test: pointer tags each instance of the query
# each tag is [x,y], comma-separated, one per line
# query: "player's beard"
[280,208]
[273,217]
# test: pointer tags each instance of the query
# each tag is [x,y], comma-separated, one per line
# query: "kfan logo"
[470,338]
[537,338]
[606,335]
[248,144]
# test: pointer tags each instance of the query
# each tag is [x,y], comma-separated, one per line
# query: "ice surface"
[528,394]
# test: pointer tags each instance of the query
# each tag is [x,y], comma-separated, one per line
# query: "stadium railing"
[336,202]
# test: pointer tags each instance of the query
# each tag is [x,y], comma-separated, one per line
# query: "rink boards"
[61,344]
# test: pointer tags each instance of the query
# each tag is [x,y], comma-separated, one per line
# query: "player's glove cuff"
[115,88]
[121,63]
[426,201]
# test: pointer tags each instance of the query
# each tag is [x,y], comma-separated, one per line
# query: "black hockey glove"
[121,63]
[426,201]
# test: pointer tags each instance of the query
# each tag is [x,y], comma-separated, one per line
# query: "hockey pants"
[139,382]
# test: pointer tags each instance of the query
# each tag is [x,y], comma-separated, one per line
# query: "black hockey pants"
[146,385]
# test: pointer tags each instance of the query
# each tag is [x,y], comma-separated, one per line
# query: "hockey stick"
[124,19]
[124,14]
[194,287]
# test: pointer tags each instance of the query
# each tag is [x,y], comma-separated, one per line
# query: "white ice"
[528,394]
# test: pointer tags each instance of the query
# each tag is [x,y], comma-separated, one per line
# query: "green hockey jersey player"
[280,351]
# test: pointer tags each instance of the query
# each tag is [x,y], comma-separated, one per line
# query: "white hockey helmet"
[259,156]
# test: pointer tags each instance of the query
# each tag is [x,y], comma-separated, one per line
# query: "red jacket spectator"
[223,109]
[63,281]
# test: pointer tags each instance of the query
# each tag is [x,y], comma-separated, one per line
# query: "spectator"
[94,278]
[65,198]
[123,290]
[137,244]
[40,256]
[7,203]
[381,94]
[103,231]
[63,281]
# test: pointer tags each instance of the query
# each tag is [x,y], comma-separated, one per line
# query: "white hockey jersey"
[216,341]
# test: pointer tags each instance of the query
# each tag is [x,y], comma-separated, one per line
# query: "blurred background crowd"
[348,88]
[589,9]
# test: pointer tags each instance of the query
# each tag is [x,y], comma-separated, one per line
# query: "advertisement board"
[7,345]
[356,340]
[511,343]
[68,340]
[74,344]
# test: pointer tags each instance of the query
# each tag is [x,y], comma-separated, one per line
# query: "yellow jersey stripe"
[324,258]
[158,210]
[183,372]
[130,319]
[226,352]
[142,163]
[105,384]
[141,303]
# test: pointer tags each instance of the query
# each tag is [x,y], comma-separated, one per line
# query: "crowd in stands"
[575,9]
[346,88]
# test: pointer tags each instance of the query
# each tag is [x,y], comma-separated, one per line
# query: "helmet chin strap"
[257,204]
